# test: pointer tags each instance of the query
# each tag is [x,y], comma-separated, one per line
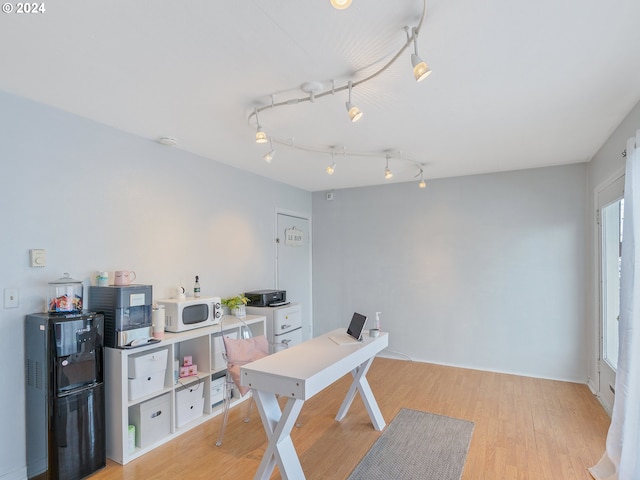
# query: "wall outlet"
[11,298]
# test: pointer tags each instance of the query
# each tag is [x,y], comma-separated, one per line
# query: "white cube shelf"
[141,379]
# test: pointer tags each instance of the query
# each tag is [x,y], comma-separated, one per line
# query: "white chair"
[237,352]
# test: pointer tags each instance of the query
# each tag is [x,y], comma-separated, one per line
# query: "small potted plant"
[236,305]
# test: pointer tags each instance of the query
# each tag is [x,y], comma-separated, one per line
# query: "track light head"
[331,168]
[269,156]
[387,172]
[261,137]
[420,69]
[354,112]
[422,183]
[340,4]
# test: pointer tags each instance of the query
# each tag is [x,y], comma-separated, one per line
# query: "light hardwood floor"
[525,428]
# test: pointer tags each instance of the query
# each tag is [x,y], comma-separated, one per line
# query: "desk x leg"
[278,424]
[361,385]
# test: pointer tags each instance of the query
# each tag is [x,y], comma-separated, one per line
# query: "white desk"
[298,373]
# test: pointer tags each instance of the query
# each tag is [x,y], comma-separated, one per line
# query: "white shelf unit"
[201,345]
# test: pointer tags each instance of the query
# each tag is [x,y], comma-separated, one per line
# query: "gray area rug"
[417,445]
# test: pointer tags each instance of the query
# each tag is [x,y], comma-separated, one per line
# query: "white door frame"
[305,216]
[598,200]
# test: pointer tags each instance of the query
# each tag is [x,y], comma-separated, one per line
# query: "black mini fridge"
[65,407]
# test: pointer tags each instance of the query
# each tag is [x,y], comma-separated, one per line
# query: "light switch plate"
[11,297]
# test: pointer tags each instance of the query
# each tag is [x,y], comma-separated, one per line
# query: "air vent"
[35,375]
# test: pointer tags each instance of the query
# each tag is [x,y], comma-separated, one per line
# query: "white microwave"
[189,313]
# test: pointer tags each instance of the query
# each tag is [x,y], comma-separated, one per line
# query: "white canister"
[102,279]
[157,320]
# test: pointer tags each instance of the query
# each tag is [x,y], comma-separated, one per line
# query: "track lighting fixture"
[261,137]
[387,173]
[269,156]
[332,168]
[316,90]
[420,69]
[354,112]
[271,153]
[422,183]
[340,4]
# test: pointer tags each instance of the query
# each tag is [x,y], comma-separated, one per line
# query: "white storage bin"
[150,384]
[189,404]
[190,393]
[152,420]
[143,364]
[217,390]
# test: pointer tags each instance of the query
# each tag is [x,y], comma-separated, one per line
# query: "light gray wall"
[486,271]
[607,164]
[96,198]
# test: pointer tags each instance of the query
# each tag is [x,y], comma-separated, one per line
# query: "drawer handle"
[284,327]
[286,341]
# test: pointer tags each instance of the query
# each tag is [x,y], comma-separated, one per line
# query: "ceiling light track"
[392,154]
[420,72]
[354,83]
[387,155]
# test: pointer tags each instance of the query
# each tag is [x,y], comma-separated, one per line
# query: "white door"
[611,215]
[293,263]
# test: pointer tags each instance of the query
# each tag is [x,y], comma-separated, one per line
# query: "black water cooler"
[65,407]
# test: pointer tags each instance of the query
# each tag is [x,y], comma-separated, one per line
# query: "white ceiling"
[515,84]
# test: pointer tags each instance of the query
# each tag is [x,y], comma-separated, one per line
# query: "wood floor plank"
[525,428]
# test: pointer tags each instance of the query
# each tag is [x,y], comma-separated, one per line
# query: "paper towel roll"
[158,321]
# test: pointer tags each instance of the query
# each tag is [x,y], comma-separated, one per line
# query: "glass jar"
[65,295]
